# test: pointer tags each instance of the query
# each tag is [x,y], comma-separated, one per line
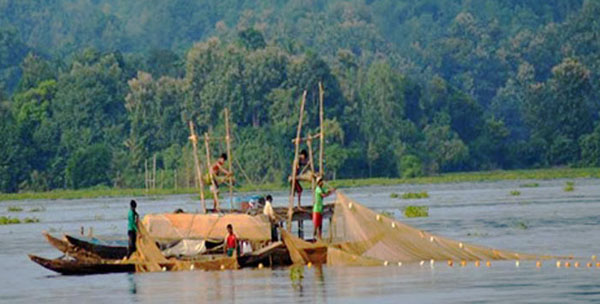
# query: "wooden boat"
[71,250]
[74,267]
[103,251]
[273,255]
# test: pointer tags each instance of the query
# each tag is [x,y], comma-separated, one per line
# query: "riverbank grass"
[485,176]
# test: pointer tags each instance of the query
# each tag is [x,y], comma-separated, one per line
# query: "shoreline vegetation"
[480,176]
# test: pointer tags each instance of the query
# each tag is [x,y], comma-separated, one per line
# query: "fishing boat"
[104,251]
[68,266]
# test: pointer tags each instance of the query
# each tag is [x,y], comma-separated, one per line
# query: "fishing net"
[178,226]
[360,236]
[148,258]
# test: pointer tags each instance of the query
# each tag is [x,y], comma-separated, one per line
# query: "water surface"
[544,220]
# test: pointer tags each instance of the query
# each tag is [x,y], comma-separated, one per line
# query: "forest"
[91,90]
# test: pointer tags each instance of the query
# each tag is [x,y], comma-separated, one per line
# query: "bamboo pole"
[199,182]
[210,174]
[229,157]
[322,133]
[175,179]
[154,171]
[295,163]
[146,175]
[312,166]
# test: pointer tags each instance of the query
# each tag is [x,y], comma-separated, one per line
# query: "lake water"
[545,220]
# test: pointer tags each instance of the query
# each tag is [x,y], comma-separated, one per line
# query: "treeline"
[94,89]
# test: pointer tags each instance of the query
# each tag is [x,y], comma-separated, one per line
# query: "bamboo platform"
[304,214]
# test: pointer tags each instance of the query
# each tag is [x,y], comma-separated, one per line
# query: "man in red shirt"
[231,243]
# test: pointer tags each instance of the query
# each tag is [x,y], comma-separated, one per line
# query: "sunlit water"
[545,220]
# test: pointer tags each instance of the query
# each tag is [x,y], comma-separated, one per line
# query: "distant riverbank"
[483,176]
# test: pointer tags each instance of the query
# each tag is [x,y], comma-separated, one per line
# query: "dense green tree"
[89,166]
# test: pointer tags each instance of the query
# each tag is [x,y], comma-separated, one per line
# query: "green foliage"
[416,211]
[14,209]
[515,193]
[412,88]
[394,195]
[37,209]
[252,39]
[529,185]
[89,167]
[28,220]
[415,195]
[296,274]
[7,220]
[569,186]
[410,166]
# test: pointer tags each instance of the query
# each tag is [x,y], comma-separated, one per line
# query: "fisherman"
[231,244]
[300,168]
[270,213]
[132,222]
[217,168]
[320,194]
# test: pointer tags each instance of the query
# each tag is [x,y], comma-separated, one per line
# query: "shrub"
[530,185]
[7,220]
[416,211]
[14,209]
[569,187]
[28,220]
[415,195]
[410,166]
[515,193]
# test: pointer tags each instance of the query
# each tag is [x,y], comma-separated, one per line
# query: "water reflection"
[132,283]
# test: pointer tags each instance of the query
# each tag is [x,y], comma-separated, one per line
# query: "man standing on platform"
[320,194]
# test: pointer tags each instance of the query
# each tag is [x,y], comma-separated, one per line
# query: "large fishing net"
[179,226]
[360,236]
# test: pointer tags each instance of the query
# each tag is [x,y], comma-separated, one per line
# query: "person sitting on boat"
[303,164]
[132,221]
[231,243]
[215,170]
[320,194]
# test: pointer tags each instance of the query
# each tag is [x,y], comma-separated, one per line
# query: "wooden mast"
[199,182]
[322,135]
[295,163]
[210,174]
[229,157]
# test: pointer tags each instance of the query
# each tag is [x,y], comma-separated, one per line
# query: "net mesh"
[177,226]
[360,236]
[148,258]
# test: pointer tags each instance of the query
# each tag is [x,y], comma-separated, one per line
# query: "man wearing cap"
[320,194]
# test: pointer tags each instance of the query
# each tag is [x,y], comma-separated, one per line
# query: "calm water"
[541,220]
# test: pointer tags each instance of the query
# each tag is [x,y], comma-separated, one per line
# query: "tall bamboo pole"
[210,174]
[295,163]
[322,135]
[199,182]
[229,157]
[146,175]
[154,171]
[312,165]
